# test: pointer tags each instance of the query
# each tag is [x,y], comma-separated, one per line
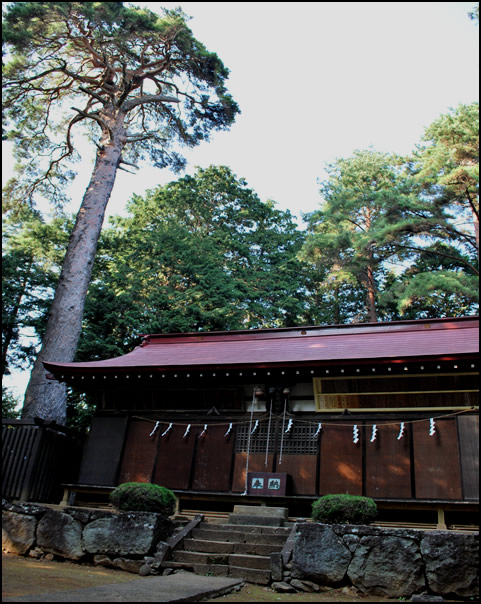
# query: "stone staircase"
[233,549]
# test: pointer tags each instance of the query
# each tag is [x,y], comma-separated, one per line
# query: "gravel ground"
[28,576]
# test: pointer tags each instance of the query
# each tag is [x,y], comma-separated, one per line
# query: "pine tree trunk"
[371,296]
[46,398]
[476,232]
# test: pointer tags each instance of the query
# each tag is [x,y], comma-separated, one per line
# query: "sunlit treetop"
[99,64]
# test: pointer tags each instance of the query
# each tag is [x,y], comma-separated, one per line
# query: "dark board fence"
[36,459]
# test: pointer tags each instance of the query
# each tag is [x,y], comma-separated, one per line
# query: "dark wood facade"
[397,424]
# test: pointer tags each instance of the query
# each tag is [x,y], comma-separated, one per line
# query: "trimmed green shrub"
[143,497]
[344,509]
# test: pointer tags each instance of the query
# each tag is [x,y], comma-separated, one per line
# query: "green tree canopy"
[200,253]
[32,254]
[96,65]
[403,230]
[351,237]
[446,166]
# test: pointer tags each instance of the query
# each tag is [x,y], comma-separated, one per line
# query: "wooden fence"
[36,459]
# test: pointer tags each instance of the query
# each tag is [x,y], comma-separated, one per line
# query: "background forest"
[394,236]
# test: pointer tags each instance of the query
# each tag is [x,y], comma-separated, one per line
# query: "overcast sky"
[317,80]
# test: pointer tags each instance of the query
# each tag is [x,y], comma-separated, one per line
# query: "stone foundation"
[120,540]
[395,563]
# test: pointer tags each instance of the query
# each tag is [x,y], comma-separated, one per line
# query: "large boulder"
[60,534]
[319,554]
[452,564]
[18,532]
[387,566]
[127,534]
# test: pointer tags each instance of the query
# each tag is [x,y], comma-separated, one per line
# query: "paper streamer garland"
[168,430]
[320,427]
[355,434]
[155,428]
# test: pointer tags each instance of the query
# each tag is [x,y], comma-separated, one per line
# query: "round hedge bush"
[143,497]
[344,509]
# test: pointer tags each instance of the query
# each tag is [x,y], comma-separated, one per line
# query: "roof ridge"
[313,330]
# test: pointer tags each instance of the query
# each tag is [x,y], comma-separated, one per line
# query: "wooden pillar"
[441,520]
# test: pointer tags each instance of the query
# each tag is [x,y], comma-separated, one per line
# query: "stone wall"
[122,540]
[395,563]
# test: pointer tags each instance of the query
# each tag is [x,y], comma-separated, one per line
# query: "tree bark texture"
[46,398]
[371,295]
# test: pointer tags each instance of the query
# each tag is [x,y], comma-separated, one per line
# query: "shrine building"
[283,416]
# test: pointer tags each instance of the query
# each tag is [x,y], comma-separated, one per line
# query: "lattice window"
[258,439]
[300,440]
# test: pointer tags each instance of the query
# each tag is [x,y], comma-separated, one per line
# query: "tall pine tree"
[136,82]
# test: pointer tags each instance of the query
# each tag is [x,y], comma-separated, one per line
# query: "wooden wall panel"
[388,463]
[256,464]
[436,461]
[213,460]
[18,444]
[174,458]
[101,459]
[139,452]
[302,471]
[341,461]
[468,430]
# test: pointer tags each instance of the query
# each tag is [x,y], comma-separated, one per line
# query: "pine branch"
[149,98]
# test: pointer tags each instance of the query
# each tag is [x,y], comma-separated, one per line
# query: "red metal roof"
[402,340]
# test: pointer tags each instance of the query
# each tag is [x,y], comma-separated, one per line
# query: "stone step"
[253,529]
[213,570]
[258,515]
[246,529]
[257,549]
[239,537]
[223,547]
[239,560]
[203,545]
[230,550]
[189,557]
[250,561]
[261,510]
[250,575]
